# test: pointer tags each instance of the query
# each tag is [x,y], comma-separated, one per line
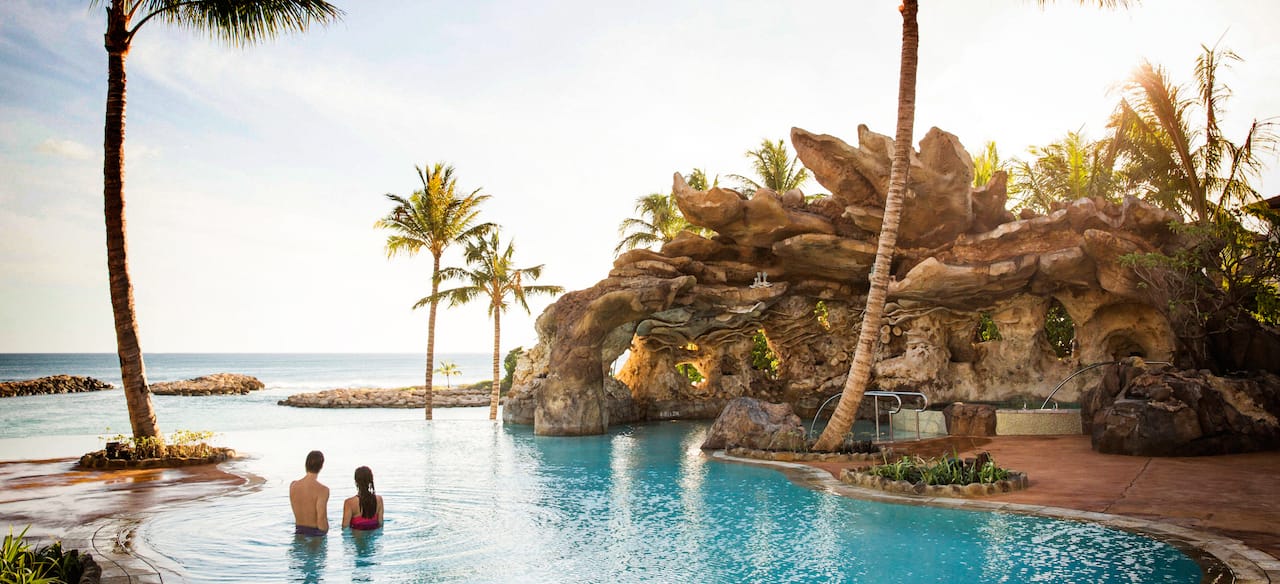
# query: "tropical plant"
[448,370]
[659,219]
[775,167]
[1175,162]
[494,277]
[20,564]
[236,22]
[690,372]
[1068,169]
[987,163]
[945,470]
[860,369]
[433,218]
[762,356]
[509,366]
[1059,329]
[986,329]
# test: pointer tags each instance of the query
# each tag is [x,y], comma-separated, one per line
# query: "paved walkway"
[1237,495]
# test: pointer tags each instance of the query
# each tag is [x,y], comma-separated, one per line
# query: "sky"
[254,175]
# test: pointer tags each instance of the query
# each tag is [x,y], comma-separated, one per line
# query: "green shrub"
[947,470]
[19,564]
[180,444]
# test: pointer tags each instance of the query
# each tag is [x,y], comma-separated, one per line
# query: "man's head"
[315,461]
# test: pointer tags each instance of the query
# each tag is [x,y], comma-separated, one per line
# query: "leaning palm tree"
[855,385]
[492,275]
[1178,163]
[448,370]
[236,22]
[433,218]
[777,169]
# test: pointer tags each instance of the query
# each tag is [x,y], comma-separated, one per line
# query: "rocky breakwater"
[461,397]
[1154,410]
[216,384]
[52,384]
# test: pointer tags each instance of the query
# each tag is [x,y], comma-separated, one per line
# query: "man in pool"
[310,499]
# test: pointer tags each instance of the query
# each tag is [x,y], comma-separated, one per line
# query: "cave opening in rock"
[1121,346]
[690,371]
[986,329]
[763,357]
[1059,329]
[619,362]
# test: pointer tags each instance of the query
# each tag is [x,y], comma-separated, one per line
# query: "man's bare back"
[310,499]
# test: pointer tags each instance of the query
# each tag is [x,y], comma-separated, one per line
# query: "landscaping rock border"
[1017,481]
[808,456]
[98,460]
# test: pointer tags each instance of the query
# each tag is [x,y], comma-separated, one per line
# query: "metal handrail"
[896,395]
[1087,368]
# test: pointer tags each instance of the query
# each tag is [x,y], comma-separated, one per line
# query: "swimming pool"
[472,501]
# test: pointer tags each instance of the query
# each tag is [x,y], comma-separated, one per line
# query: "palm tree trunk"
[142,417]
[497,381]
[431,332]
[855,385]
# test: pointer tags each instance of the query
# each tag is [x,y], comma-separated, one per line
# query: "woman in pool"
[363,511]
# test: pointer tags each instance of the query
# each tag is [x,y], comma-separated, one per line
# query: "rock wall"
[460,397]
[798,270]
[51,385]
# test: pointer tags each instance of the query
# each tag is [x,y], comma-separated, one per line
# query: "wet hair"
[315,461]
[364,490]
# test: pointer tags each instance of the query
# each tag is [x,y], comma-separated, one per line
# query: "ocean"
[54,426]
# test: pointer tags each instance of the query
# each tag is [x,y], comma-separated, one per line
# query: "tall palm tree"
[494,277]
[433,218]
[855,385]
[1174,161]
[448,370]
[236,22]
[777,169]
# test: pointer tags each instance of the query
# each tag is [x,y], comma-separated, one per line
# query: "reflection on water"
[472,501]
[306,558]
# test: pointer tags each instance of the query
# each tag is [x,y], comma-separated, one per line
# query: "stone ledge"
[215,384]
[1017,481]
[98,460]
[389,398]
[53,384]
[806,456]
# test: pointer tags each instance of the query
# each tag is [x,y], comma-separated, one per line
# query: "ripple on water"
[470,501]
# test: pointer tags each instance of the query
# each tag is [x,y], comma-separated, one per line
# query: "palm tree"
[1068,169]
[1177,164]
[860,370]
[493,276]
[448,370]
[236,22]
[775,166]
[855,385]
[432,218]
[660,220]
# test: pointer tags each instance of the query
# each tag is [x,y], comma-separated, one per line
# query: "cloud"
[65,148]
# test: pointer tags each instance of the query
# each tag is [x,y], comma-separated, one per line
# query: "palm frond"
[238,22]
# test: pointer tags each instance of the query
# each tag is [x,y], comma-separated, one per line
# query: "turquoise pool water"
[471,501]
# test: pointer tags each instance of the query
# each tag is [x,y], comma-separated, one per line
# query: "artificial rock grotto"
[700,300]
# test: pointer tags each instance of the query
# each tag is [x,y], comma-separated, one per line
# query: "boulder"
[751,423]
[970,419]
[1160,411]
[51,385]
[216,384]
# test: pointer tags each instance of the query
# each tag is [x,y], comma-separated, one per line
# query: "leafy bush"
[690,372]
[762,356]
[19,564]
[1059,329]
[180,444]
[509,365]
[947,470]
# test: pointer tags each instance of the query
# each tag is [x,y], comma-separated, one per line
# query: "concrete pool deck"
[1235,496]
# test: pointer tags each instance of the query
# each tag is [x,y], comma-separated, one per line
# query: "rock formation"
[51,385]
[798,270]
[216,384]
[751,423]
[1154,410]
